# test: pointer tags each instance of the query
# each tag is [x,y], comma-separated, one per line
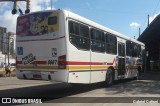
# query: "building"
[4,39]
[151,38]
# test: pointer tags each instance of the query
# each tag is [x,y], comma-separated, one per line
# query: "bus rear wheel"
[109,78]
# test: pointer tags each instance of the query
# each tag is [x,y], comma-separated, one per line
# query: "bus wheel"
[109,78]
[137,77]
[138,73]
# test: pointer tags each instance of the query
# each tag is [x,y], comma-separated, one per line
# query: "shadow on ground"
[149,84]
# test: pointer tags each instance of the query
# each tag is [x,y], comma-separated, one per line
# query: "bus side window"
[111,44]
[134,50]
[128,48]
[97,41]
[73,28]
[84,31]
[79,35]
[52,20]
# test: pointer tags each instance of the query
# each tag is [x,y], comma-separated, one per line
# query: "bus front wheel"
[109,78]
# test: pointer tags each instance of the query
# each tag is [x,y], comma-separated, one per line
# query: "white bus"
[62,46]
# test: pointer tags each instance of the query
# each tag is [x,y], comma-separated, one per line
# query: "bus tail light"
[62,62]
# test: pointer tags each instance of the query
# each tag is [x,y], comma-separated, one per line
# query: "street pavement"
[122,91]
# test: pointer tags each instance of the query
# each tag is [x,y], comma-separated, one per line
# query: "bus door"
[121,58]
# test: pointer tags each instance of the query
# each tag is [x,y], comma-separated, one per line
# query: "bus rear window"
[52,20]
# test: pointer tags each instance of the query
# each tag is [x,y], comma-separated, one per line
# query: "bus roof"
[69,14]
[101,27]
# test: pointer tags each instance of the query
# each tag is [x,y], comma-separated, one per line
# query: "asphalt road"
[122,91]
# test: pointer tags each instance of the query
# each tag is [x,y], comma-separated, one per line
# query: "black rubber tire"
[139,71]
[138,74]
[137,77]
[109,78]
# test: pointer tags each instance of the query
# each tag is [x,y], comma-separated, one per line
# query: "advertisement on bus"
[37,24]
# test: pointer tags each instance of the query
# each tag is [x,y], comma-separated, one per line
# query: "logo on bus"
[19,50]
[28,59]
[54,52]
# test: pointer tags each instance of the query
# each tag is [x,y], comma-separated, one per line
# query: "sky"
[124,16]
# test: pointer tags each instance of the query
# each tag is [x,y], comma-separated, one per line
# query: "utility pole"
[148,19]
[51,4]
[9,35]
[139,31]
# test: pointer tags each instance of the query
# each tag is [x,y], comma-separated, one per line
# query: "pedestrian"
[8,71]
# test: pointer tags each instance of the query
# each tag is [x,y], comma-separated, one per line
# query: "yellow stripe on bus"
[87,67]
[78,67]
[70,68]
[99,67]
[37,67]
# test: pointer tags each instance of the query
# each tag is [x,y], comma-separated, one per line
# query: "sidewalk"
[2,74]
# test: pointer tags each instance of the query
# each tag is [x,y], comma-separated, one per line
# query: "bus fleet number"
[52,62]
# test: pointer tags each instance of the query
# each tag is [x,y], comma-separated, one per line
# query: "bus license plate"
[37,76]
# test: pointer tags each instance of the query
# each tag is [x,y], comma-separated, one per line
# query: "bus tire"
[138,74]
[137,77]
[140,71]
[109,78]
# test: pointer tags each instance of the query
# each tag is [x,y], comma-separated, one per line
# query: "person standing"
[8,71]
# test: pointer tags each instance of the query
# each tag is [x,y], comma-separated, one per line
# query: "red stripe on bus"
[35,62]
[112,62]
[39,62]
[71,63]
[19,62]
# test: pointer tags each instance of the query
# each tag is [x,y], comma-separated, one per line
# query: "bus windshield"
[37,24]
